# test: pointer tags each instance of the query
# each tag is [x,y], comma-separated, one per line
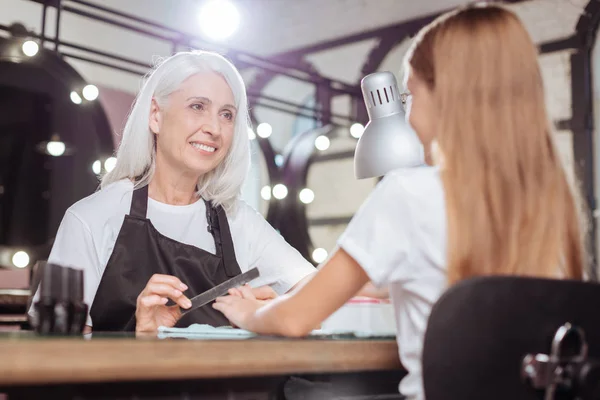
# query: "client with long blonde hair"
[494,198]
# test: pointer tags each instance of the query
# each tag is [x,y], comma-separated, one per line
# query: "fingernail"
[183,287]
[188,303]
[176,292]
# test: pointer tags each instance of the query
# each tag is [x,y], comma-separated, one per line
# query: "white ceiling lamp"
[322,143]
[265,193]
[110,164]
[279,160]
[30,48]
[97,167]
[219,19]
[75,97]
[264,130]
[280,191]
[90,92]
[306,196]
[319,255]
[356,130]
[55,147]
[20,259]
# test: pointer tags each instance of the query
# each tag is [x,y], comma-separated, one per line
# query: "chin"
[200,167]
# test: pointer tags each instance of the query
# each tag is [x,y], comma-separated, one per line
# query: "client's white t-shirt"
[398,237]
[89,230]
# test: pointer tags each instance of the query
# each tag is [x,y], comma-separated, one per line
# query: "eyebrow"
[209,101]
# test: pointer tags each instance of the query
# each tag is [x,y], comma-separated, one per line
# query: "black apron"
[141,251]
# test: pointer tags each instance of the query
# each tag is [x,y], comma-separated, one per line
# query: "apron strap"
[139,203]
[219,228]
[213,227]
[231,266]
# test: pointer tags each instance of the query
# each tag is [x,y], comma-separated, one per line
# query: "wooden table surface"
[27,359]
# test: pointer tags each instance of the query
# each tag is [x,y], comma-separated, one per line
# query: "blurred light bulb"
[75,98]
[97,167]
[319,255]
[356,130]
[322,143]
[251,134]
[55,148]
[90,92]
[20,259]
[264,130]
[30,48]
[219,19]
[265,193]
[279,160]
[110,163]
[306,196]
[280,191]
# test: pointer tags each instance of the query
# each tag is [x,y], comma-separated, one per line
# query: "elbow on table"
[295,327]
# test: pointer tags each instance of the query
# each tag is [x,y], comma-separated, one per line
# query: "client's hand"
[239,310]
[261,294]
[151,309]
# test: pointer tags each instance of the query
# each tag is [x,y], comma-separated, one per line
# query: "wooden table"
[31,365]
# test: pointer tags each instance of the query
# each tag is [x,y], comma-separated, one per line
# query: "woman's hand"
[152,311]
[262,293]
[239,310]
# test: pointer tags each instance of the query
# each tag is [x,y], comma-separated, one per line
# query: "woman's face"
[420,111]
[194,130]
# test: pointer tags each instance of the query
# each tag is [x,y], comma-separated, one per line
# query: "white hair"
[136,156]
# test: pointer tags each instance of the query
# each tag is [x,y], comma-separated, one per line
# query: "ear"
[155,120]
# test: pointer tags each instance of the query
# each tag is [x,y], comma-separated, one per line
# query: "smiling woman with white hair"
[143,239]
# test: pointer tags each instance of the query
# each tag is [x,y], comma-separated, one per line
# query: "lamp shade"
[388,142]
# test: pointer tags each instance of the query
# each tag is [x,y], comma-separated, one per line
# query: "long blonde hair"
[511,209]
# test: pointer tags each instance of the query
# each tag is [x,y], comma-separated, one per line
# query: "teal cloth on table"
[202,331]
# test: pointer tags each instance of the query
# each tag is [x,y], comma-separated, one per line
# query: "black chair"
[501,338]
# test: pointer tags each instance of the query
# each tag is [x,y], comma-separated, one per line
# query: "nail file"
[222,289]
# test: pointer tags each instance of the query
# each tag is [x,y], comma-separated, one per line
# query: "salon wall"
[337,194]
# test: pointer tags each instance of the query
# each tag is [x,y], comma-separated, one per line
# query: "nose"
[212,126]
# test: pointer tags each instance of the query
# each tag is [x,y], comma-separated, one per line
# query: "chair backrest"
[480,330]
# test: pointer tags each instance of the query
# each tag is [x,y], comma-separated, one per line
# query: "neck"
[171,186]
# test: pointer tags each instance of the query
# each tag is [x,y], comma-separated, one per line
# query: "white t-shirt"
[398,236]
[89,230]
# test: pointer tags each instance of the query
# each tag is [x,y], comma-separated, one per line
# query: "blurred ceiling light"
[280,191]
[264,130]
[20,259]
[97,167]
[30,48]
[322,143]
[90,92]
[319,255]
[219,19]
[279,160]
[55,147]
[356,130]
[75,97]
[110,163]
[265,193]
[251,134]
[306,196]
